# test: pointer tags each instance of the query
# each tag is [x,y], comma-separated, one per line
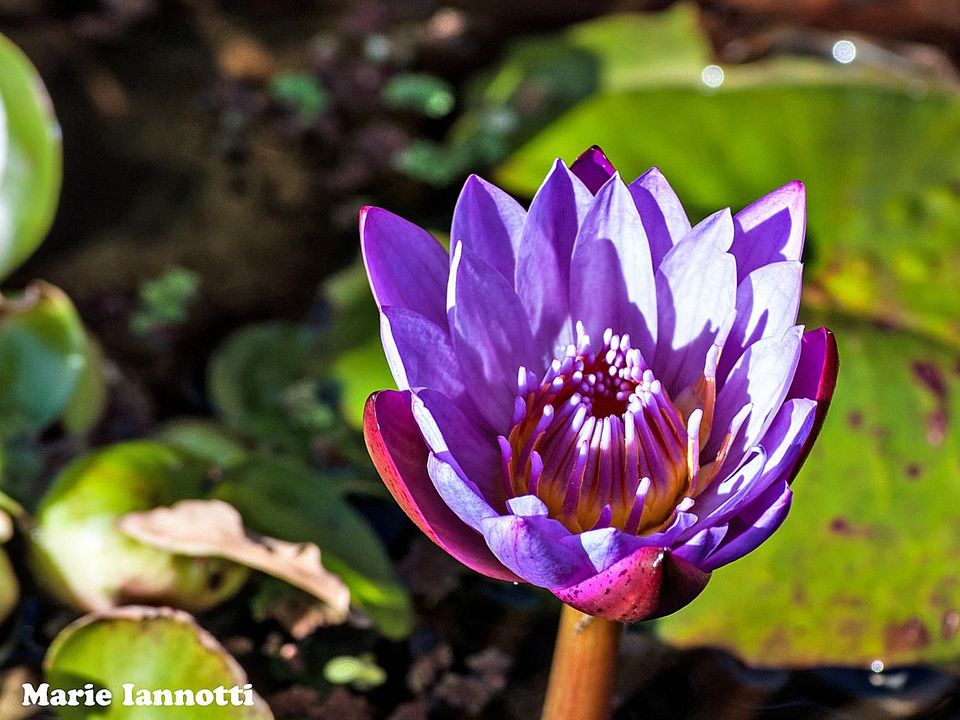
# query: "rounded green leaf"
[81,557]
[9,587]
[864,568]
[90,394]
[30,158]
[152,649]
[285,499]
[43,354]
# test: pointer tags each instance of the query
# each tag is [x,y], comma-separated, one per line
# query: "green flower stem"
[584,668]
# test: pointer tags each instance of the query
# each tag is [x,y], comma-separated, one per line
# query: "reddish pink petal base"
[400,457]
[648,584]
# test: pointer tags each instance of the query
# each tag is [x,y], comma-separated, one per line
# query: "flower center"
[599,440]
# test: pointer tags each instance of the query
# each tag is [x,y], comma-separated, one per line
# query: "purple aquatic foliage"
[596,397]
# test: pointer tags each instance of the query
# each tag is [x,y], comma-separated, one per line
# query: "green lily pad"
[152,649]
[285,499]
[875,146]
[80,556]
[864,568]
[90,394]
[30,158]
[9,586]
[43,354]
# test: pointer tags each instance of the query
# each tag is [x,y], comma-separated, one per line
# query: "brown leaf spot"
[855,419]
[931,377]
[913,471]
[907,636]
[950,624]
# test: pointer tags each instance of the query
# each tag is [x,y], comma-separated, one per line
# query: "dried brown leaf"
[213,528]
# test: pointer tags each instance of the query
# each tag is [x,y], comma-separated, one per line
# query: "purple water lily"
[596,397]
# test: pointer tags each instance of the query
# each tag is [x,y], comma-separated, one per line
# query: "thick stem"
[584,668]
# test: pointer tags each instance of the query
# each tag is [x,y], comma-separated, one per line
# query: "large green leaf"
[154,649]
[30,159]
[283,498]
[80,556]
[43,354]
[864,568]
[876,150]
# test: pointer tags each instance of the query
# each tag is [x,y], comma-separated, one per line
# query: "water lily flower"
[594,396]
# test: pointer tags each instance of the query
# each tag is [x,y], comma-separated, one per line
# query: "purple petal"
[491,336]
[458,491]
[649,583]
[767,304]
[543,258]
[456,438]
[488,222]
[696,291]
[771,229]
[611,282]
[406,265]
[663,216]
[752,526]
[816,378]
[778,452]
[593,168]
[761,378]
[419,352]
[400,457]
[696,549]
[533,547]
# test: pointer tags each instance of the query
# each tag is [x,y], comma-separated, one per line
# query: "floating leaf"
[861,570]
[43,353]
[30,158]
[283,498]
[90,395]
[864,567]
[213,528]
[152,649]
[80,556]
[359,372]
[9,586]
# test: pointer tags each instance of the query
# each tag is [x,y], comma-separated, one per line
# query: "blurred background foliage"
[203,331]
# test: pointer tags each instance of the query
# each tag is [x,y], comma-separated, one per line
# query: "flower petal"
[543,258]
[488,222]
[406,265]
[752,526]
[816,378]
[767,304]
[771,229]
[456,438]
[649,583]
[532,547]
[761,378]
[419,352]
[664,218]
[611,277]
[593,168]
[696,292]
[459,492]
[491,336]
[400,456]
